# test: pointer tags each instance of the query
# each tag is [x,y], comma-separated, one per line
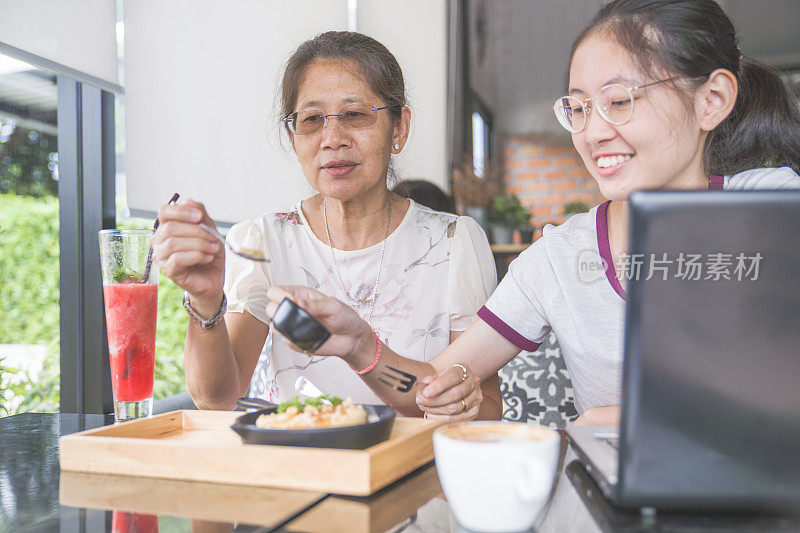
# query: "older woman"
[417,277]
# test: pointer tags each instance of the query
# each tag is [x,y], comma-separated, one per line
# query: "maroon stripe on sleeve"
[507,331]
[716,183]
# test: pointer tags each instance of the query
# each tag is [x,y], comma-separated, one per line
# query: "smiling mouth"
[612,160]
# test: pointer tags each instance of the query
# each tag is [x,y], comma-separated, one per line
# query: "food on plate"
[314,413]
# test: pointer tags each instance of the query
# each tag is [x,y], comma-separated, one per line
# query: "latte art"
[495,432]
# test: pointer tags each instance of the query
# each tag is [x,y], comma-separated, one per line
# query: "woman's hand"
[599,416]
[350,335]
[454,394]
[189,255]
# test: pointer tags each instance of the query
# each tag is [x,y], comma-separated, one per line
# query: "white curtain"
[76,37]
[201,82]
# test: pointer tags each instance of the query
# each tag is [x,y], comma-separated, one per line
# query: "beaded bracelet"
[205,323]
[377,356]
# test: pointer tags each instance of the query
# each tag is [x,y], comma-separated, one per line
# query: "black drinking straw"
[149,263]
[147,266]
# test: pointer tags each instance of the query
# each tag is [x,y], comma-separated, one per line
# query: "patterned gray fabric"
[536,387]
[258,383]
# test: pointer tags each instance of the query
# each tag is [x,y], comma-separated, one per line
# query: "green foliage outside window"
[28,161]
[29,299]
[29,307]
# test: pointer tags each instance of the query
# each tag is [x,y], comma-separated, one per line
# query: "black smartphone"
[298,327]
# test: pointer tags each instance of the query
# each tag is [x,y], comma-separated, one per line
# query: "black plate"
[347,437]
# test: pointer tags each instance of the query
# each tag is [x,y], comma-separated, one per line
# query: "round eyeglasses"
[352,117]
[614,103]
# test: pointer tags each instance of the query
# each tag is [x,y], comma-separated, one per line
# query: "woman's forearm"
[220,361]
[393,371]
[391,377]
[451,384]
[212,374]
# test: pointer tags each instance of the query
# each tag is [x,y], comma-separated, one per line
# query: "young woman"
[416,276]
[660,97]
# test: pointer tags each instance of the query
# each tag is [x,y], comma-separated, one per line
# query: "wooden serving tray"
[212,502]
[380,512]
[254,506]
[200,446]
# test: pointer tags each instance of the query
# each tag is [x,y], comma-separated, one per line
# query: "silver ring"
[463,370]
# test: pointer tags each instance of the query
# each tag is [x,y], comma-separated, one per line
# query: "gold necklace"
[352,300]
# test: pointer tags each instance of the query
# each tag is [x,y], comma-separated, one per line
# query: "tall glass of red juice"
[130,292]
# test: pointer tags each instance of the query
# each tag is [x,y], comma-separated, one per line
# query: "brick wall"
[545,172]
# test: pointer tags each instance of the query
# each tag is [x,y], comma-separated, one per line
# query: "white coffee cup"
[497,476]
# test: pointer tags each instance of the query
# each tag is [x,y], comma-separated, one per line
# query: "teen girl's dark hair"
[691,39]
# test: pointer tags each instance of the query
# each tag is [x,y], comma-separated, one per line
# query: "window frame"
[477,106]
[86,193]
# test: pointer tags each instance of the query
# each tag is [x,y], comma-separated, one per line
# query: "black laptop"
[711,372]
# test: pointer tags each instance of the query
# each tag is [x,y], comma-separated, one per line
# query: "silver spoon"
[304,387]
[253,255]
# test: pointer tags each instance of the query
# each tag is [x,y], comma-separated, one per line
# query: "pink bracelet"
[374,361]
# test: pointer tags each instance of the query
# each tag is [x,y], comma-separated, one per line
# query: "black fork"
[397,379]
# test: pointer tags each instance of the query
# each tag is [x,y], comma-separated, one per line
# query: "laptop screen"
[711,386]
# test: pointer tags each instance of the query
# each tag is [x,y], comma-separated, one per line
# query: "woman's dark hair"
[378,66]
[691,39]
[425,193]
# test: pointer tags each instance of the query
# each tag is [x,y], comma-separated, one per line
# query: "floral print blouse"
[438,271]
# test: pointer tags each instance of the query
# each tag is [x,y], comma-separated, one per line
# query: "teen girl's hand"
[455,394]
[599,416]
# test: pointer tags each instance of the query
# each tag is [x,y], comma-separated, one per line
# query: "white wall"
[78,34]
[201,78]
[415,31]
[201,82]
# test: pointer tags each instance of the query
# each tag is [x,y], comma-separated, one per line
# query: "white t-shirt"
[437,272]
[543,290]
